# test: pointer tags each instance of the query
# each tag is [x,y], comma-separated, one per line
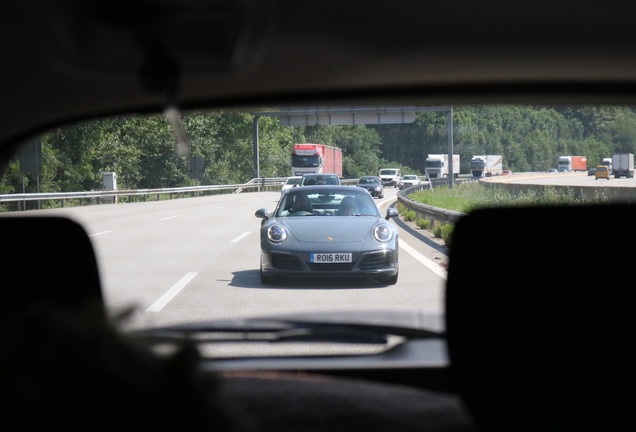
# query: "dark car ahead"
[373,184]
[319,179]
[328,231]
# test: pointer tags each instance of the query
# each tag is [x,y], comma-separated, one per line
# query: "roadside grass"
[469,196]
[445,232]
[423,223]
[466,197]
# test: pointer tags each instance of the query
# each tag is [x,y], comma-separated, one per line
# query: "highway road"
[197,259]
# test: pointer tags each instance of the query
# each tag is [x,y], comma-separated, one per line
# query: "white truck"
[486,165]
[390,176]
[623,165]
[437,166]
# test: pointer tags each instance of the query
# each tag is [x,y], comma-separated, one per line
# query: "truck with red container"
[572,163]
[316,159]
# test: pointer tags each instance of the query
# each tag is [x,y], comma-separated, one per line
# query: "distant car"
[506,172]
[409,180]
[320,179]
[290,183]
[373,184]
[591,171]
[553,171]
[333,231]
[602,172]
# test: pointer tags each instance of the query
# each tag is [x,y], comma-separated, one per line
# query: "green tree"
[142,149]
[621,134]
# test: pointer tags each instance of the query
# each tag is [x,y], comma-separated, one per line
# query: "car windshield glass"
[319,180]
[175,231]
[305,161]
[368,180]
[327,202]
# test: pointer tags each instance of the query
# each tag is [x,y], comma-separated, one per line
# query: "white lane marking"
[171,217]
[171,293]
[99,233]
[239,238]
[386,200]
[434,267]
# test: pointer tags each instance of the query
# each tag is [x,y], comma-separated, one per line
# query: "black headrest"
[47,261]
[540,317]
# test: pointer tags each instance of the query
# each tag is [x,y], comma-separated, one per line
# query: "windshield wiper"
[285,330]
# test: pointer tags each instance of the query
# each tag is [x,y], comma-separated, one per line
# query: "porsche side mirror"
[262,213]
[391,212]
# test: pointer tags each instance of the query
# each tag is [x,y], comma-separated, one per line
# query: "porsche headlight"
[383,233]
[276,233]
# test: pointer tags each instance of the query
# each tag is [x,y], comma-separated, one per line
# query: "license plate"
[329,258]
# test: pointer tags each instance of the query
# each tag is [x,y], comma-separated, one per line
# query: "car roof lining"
[427,53]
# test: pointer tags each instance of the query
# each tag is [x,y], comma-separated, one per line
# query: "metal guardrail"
[261,182]
[439,215]
[435,214]
[236,188]
[257,184]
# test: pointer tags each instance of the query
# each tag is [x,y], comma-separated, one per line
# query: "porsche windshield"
[327,202]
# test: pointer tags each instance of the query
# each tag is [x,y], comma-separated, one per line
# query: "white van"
[390,176]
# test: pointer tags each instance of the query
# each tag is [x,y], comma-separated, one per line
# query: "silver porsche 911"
[328,231]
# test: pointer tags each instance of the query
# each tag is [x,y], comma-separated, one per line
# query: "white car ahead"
[290,183]
[408,181]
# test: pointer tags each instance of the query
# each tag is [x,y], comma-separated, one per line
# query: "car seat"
[65,366]
[302,204]
[51,262]
[540,326]
[348,206]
